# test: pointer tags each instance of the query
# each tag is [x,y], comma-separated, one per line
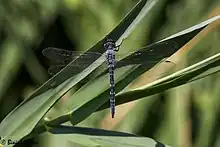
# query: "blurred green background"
[185,116]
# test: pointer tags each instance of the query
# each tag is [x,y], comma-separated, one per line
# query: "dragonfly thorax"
[110,52]
[109,44]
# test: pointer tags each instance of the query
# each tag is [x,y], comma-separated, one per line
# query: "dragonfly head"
[109,44]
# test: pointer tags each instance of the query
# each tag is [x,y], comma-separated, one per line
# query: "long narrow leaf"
[52,90]
[98,137]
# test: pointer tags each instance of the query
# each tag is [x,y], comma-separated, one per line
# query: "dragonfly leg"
[116,49]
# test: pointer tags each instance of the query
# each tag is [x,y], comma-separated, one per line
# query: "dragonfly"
[154,53]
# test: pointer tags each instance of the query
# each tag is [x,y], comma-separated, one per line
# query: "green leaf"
[29,112]
[99,137]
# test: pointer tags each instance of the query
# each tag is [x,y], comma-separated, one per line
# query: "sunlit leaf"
[99,137]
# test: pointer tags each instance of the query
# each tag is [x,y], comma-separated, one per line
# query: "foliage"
[82,94]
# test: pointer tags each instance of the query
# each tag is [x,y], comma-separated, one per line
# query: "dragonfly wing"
[150,54]
[57,54]
[64,57]
[67,55]
[56,68]
[76,66]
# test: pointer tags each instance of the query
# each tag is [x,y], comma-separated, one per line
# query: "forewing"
[150,54]
[58,54]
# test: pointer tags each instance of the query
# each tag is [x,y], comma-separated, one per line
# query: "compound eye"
[109,43]
[110,40]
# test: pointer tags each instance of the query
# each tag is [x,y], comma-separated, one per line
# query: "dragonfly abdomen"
[112,90]
[111,67]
